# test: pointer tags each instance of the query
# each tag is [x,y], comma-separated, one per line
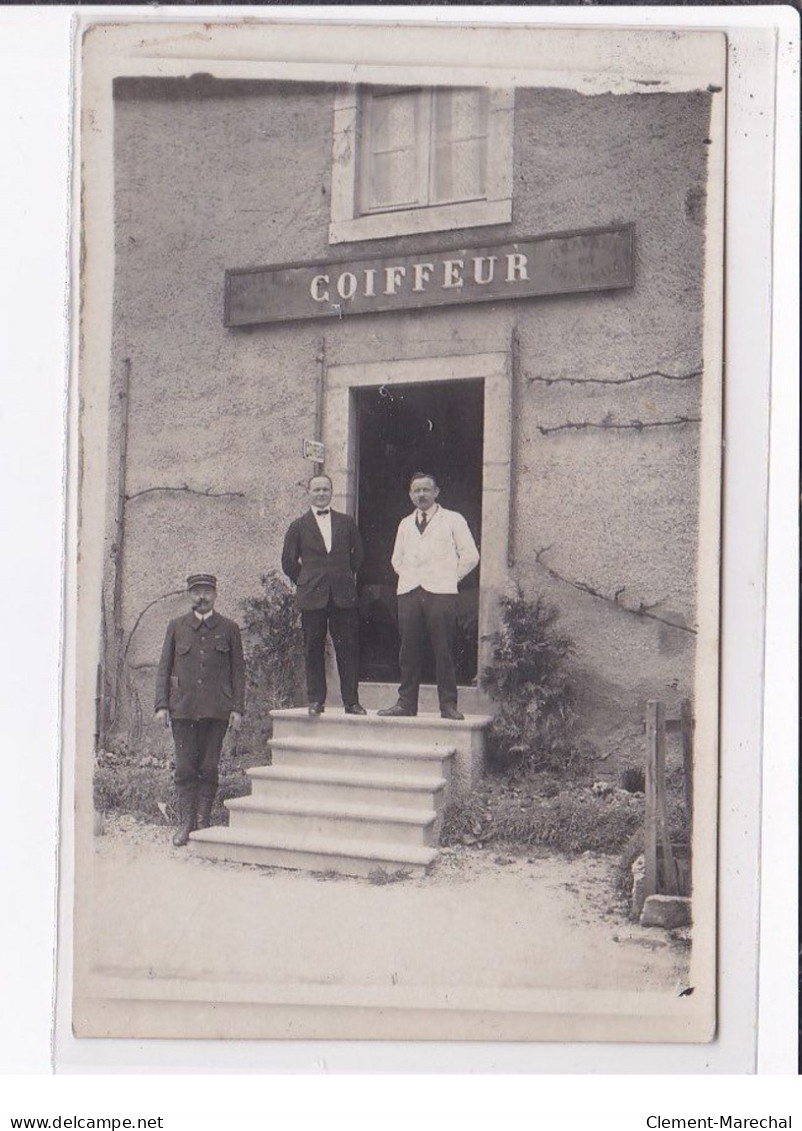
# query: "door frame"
[340,436]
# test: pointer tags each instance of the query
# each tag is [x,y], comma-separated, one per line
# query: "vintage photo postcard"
[399,385]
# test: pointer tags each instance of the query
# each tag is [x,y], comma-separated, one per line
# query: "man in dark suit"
[322,555]
[200,691]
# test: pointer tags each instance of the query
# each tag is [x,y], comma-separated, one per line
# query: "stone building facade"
[564,425]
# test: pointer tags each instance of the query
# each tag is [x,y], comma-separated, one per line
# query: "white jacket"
[437,559]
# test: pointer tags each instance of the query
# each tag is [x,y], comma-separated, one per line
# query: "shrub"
[529,678]
[274,656]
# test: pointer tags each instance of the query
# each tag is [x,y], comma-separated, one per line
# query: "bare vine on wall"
[607,421]
[150,604]
[637,425]
[630,379]
[207,494]
[640,610]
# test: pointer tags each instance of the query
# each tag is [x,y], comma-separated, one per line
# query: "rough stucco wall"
[204,184]
[618,508]
[210,181]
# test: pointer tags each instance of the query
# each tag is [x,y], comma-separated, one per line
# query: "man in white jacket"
[434,550]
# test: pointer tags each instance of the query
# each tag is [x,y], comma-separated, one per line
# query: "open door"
[437,427]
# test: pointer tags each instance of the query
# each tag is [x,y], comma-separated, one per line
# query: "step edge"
[323,776]
[413,722]
[413,817]
[379,749]
[406,853]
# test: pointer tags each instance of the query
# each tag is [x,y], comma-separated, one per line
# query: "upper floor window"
[422,147]
[414,159]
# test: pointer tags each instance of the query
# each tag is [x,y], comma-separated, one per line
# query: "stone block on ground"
[666,911]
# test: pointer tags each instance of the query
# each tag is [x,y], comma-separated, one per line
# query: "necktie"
[322,512]
[420,522]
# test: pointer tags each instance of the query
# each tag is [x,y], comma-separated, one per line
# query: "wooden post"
[654,725]
[686,725]
[670,880]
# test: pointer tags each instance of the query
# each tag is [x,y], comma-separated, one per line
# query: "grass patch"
[142,785]
[539,810]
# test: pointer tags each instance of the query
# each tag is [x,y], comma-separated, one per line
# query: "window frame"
[350,224]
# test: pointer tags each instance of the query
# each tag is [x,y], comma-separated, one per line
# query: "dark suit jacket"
[201,672]
[320,575]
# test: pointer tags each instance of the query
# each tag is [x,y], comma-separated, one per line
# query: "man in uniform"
[434,550]
[200,691]
[322,555]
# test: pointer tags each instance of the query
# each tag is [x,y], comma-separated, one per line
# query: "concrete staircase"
[350,794]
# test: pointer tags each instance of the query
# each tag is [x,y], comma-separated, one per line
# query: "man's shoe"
[316,709]
[397,711]
[451,712]
[181,835]
[355,709]
[187,815]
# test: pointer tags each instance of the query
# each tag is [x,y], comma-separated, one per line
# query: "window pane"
[459,171]
[459,145]
[394,179]
[391,171]
[459,114]
[394,121]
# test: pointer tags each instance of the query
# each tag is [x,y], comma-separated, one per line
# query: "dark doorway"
[436,427]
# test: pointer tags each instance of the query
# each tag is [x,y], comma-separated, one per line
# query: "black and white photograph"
[398,532]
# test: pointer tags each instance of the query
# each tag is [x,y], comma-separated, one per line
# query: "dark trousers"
[422,614]
[344,627]
[198,743]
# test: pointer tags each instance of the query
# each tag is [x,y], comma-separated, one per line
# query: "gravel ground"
[481,918]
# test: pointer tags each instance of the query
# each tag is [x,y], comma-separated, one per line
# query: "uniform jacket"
[437,559]
[201,672]
[318,574]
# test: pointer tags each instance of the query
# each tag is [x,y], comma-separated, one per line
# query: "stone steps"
[330,784]
[352,794]
[372,823]
[342,753]
[426,728]
[312,854]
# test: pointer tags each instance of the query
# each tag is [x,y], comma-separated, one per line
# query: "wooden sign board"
[600,259]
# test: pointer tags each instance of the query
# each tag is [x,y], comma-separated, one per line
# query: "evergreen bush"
[273,656]
[529,679]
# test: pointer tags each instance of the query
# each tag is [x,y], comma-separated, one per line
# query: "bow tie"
[322,512]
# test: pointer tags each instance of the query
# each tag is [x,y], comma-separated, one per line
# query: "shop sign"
[600,259]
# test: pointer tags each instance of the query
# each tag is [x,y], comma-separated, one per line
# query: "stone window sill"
[414,221]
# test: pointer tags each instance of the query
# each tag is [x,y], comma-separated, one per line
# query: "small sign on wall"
[315,450]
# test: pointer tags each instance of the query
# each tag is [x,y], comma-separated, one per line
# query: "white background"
[35,48]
